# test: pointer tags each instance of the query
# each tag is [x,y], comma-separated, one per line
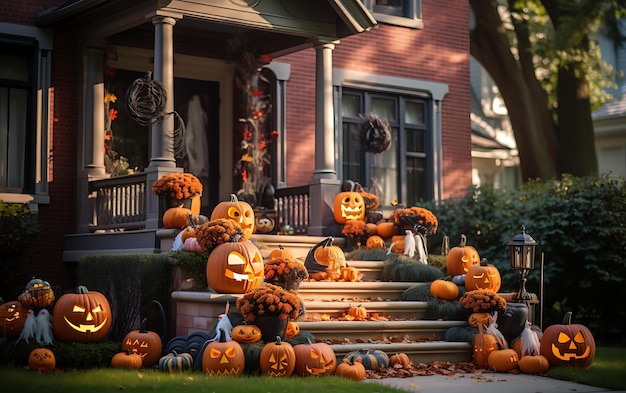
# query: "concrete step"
[422,352]
[319,310]
[352,291]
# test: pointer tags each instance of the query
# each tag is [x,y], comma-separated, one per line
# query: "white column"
[94,113]
[162,153]
[324,113]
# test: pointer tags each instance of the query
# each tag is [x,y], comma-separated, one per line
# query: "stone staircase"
[400,326]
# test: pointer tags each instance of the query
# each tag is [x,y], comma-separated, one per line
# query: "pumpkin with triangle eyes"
[42,359]
[12,318]
[235,267]
[82,317]
[223,357]
[568,344]
[277,359]
[315,359]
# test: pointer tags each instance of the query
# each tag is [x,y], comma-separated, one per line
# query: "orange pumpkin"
[358,312]
[568,344]
[537,364]
[126,359]
[480,318]
[144,343]
[239,211]
[38,294]
[12,318]
[315,359]
[223,357]
[277,359]
[375,242]
[484,344]
[387,229]
[351,370]
[281,253]
[503,360]
[246,334]
[444,289]
[483,276]
[324,261]
[83,317]
[400,360]
[397,242]
[235,267]
[371,228]
[176,217]
[349,205]
[293,329]
[461,257]
[42,359]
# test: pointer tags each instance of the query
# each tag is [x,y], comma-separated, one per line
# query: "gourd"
[483,276]
[42,359]
[371,359]
[235,267]
[191,244]
[358,312]
[176,362]
[83,316]
[314,359]
[277,359]
[240,212]
[568,344]
[400,360]
[386,229]
[144,343]
[503,360]
[461,257]
[351,370]
[444,289]
[126,359]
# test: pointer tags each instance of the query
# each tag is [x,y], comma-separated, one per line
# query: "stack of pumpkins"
[506,340]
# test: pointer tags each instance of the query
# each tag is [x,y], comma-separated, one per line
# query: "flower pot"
[287,285]
[271,326]
[193,203]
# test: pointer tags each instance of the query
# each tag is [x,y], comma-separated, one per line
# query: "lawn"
[606,371]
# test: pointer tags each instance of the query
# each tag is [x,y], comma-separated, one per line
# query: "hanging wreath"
[375,134]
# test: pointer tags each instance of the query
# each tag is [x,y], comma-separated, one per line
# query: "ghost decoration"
[409,244]
[43,327]
[29,330]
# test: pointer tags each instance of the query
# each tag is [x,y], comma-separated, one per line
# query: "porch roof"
[280,26]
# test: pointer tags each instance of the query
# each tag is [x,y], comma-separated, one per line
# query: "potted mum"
[285,272]
[178,190]
[270,308]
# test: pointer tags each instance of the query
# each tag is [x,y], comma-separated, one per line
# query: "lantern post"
[522,251]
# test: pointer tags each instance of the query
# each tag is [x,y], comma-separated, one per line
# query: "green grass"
[110,380]
[606,371]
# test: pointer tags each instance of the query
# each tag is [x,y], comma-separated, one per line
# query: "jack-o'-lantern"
[223,357]
[349,205]
[42,359]
[484,344]
[144,343]
[568,344]
[38,294]
[235,267]
[503,360]
[461,257]
[83,317]
[483,276]
[246,334]
[277,359]
[479,318]
[314,359]
[375,242]
[239,211]
[324,261]
[12,318]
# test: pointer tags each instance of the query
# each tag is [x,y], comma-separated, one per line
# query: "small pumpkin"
[191,244]
[314,359]
[483,276]
[398,242]
[246,334]
[277,359]
[351,370]
[568,344]
[42,359]
[126,359]
[324,261]
[348,205]
[238,211]
[281,253]
[533,364]
[293,329]
[235,267]
[358,312]
[400,360]
[480,318]
[12,318]
[371,229]
[83,316]
[176,362]
[144,343]
[503,360]
[444,289]
[223,357]
[350,274]
[371,359]
[176,217]
[387,229]
[461,257]
[484,344]
[375,242]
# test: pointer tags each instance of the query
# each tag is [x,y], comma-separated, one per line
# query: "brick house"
[333,63]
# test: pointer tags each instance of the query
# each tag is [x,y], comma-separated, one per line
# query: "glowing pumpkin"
[503,360]
[144,343]
[277,359]
[483,276]
[484,344]
[246,334]
[349,205]
[293,329]
[84,317]
[568,344]
[461,257]
[38,294]
[375,242]
[223,357]
[12,318]
[239,211]
[235,267]
[314,359]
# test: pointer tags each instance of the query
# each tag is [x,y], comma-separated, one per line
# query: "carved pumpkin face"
[568,344]
[348,205]
[277,359]
[315,359]
[235,267]
[12,318]
[144,343]
[223,358]
[42,359]
[82,317]
[483,276]
[239,211]
[293,329]
[246,334]
[460,258]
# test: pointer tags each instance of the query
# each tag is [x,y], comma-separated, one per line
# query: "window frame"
[411,13]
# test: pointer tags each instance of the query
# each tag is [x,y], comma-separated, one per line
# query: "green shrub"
[580,224]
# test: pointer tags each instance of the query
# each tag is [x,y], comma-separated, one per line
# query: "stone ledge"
[421,352]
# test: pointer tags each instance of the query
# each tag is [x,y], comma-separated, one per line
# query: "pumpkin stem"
[483,262]
[233,198]
[81,290]
[278,340]
[567,319]
[463,241]
[445,246]
[190,221]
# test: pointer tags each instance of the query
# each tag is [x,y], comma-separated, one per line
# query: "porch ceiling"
[279,26]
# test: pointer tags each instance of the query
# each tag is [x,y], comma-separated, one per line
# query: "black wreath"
[375,134]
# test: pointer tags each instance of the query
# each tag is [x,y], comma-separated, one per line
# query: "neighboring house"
[334,62]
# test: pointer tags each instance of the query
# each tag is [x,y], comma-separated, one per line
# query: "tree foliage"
[579,224]
[551,76]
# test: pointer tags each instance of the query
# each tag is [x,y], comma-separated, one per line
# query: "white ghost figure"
[43,327]
[409,244]
[223,326]
[29,330]
[420,246]
[529,340]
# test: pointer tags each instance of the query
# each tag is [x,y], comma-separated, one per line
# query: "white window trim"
[435,90]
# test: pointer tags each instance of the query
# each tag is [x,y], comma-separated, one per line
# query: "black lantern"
[522,248]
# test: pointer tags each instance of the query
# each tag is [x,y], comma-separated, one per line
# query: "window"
[402,172]
[407,13]
[24,100]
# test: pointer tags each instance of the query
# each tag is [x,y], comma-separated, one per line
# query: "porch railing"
[120,204]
